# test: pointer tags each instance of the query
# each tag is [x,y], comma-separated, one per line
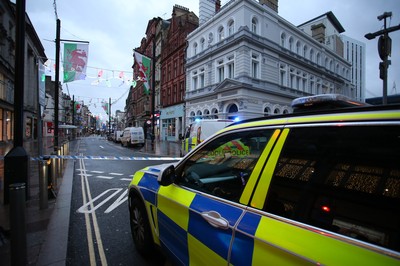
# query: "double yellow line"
[91,218]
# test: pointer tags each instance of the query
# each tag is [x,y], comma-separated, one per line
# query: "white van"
[117,136]
[200,130]
[132,136]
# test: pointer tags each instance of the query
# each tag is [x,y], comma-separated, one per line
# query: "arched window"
[195,48]
[202,44]
[192,116]
[276,111]
[206,114]
[214,113]
[254,25]
[232,110]
[291,44]
[298,45]
[231,27]
[305,49]
[283,40]
[267,111]
[220,33]
[318,59]
[311,55]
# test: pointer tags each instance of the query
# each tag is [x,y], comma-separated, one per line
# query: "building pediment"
[229,84]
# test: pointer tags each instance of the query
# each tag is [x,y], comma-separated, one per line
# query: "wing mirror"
[167,176]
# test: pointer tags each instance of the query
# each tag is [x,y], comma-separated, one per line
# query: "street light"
[384,50]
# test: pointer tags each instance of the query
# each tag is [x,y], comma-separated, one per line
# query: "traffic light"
[384,46]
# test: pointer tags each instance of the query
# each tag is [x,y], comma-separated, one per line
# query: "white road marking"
[101,147]
[116,174]
[84,181]
[126,179]
[105,177]
[97,172]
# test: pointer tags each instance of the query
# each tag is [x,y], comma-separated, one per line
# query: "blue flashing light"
[236,119]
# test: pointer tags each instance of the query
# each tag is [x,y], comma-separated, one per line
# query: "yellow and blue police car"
[318,188]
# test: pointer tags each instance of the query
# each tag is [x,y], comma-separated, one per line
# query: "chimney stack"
[273,4]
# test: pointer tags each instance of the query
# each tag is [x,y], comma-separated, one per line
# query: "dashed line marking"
[116,174]
[104,177]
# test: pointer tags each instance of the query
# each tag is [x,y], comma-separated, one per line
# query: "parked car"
[318,188]
[132,136]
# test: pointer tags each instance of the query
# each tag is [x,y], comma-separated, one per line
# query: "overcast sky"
[114,28]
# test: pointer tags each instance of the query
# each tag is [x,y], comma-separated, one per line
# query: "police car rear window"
[343,179]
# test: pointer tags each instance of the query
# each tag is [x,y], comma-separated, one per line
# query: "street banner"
[78,107]
[75,61]
[105,107]
[144,70]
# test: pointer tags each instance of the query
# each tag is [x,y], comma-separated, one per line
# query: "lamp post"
[384,50]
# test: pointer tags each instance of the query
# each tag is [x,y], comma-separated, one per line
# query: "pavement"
[47,228]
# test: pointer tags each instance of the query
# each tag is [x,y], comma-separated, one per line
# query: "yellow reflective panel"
[200,254]
[174,202]
[285,244]
[248,190]
[346,117]
[152,216]
[136,178]
[262,186]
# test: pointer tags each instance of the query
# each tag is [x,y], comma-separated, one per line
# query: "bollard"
[61,153]
[54,171]
[44,182]
[18,224]
[67,147]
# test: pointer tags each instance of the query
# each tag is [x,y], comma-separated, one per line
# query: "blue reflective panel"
[149,186]
[243,245]
[172,237]
[217,239]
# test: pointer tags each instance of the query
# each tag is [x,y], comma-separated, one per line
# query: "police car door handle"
[215,219]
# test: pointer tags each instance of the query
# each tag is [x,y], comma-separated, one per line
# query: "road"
[99,232]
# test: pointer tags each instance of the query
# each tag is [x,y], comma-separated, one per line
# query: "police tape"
[118,158]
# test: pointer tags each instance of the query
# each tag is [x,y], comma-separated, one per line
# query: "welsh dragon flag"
[144,70]
[75,61]
[78,107]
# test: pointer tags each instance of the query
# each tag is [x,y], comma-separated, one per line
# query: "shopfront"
[171,121]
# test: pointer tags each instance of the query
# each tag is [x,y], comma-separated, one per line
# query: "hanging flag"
[144,70]
[105,107]
[78,107]
[75,61]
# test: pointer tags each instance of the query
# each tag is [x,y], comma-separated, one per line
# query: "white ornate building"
[246,61]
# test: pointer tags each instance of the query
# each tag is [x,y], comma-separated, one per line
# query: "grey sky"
[114,28]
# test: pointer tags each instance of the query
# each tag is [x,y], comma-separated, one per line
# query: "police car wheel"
[140,227]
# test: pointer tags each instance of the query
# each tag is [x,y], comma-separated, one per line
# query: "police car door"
[197,214]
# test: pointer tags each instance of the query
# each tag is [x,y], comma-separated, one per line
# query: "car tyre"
[140,227]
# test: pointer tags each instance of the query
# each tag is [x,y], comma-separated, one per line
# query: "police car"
[318,188]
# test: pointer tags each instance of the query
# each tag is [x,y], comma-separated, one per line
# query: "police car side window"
[223,166]
[342,179]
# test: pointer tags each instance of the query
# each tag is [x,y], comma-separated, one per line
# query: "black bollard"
[18,224]
[43,183]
